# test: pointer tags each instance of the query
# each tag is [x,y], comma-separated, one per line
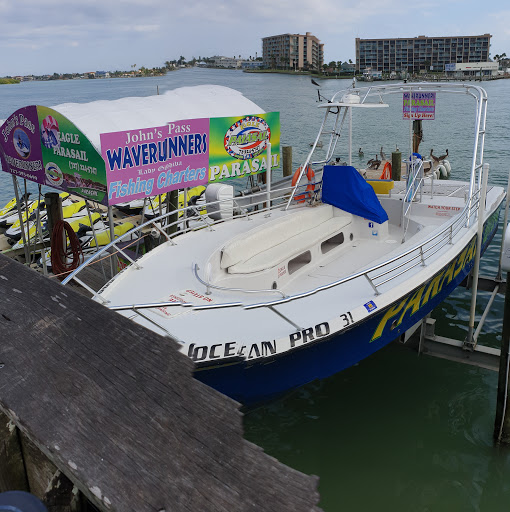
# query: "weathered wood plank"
[12,467]
[47,482]
[115,407]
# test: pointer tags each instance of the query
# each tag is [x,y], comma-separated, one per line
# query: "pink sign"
[151,161]
[421,104]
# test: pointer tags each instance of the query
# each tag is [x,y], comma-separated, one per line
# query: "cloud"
[97,33]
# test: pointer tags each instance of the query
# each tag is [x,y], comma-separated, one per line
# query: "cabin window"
[351,237]
[332,242]
[299,261]
[274,285]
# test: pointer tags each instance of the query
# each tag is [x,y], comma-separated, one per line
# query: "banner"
[421,104]
[40,144]
[239,145]
[152,161]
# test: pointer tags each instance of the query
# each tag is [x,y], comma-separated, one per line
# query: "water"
[397,432]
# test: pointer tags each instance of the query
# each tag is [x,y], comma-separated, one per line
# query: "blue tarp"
[344,187]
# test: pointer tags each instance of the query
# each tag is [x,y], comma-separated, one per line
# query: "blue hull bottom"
[255,381]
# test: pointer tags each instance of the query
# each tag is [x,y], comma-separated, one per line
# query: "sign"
[450,67]
[421,104]
[41,145]
[151,161]
[239,145]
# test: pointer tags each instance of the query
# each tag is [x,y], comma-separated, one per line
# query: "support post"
[502,421]
[20,216]
[172,205]
[114,260]
[505,225]
[269,177]
[470,340]
[396,165]
[53,203]
[287,160]
[417,135]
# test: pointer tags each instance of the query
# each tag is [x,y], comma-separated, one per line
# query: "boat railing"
[183,220]
[414,185]
[377,275]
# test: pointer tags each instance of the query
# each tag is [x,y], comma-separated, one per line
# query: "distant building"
[292,51]
[347,67]
[472,69]
[252,64]
[420,54]
[226,62]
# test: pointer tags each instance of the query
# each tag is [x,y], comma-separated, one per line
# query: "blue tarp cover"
[344,187]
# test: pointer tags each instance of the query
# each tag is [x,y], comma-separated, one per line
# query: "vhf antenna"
[319,95]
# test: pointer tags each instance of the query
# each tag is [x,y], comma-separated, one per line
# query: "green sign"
[238,145]
[72,163]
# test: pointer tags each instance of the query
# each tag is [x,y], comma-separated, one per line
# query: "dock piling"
[287,160]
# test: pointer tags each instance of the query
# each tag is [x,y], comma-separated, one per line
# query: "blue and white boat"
[294,284]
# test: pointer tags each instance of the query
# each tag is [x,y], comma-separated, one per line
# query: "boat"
[303,282]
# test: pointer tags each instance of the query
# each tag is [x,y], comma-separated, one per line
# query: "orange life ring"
[386,174]
[310,187]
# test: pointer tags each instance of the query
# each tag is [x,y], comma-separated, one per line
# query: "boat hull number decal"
[347,319]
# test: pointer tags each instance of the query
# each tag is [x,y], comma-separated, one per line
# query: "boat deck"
[182,285]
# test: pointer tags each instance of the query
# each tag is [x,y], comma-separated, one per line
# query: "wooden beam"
[12,467]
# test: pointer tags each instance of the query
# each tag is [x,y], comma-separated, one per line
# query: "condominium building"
[420,54]
[292,51]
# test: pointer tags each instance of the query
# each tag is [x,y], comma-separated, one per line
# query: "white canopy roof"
[132,113]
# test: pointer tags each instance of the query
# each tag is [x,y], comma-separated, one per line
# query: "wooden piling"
[396,165]
[53,203]
[115,408]
[287,160]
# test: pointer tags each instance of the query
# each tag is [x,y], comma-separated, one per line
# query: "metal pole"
[28,224]
[470,341]
[38,231]
[141,221]
[112,238]
[350,135]
[95,236]
[20,216]
[268,174]
[185,209]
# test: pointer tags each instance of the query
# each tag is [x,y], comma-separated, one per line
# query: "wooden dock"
[96,411]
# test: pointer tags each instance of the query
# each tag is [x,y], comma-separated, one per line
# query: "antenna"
[319,95]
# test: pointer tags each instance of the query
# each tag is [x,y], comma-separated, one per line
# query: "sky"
[71,36]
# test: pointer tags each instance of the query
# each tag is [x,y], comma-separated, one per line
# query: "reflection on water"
[398,432]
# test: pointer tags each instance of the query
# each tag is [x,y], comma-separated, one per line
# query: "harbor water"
[397,432]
